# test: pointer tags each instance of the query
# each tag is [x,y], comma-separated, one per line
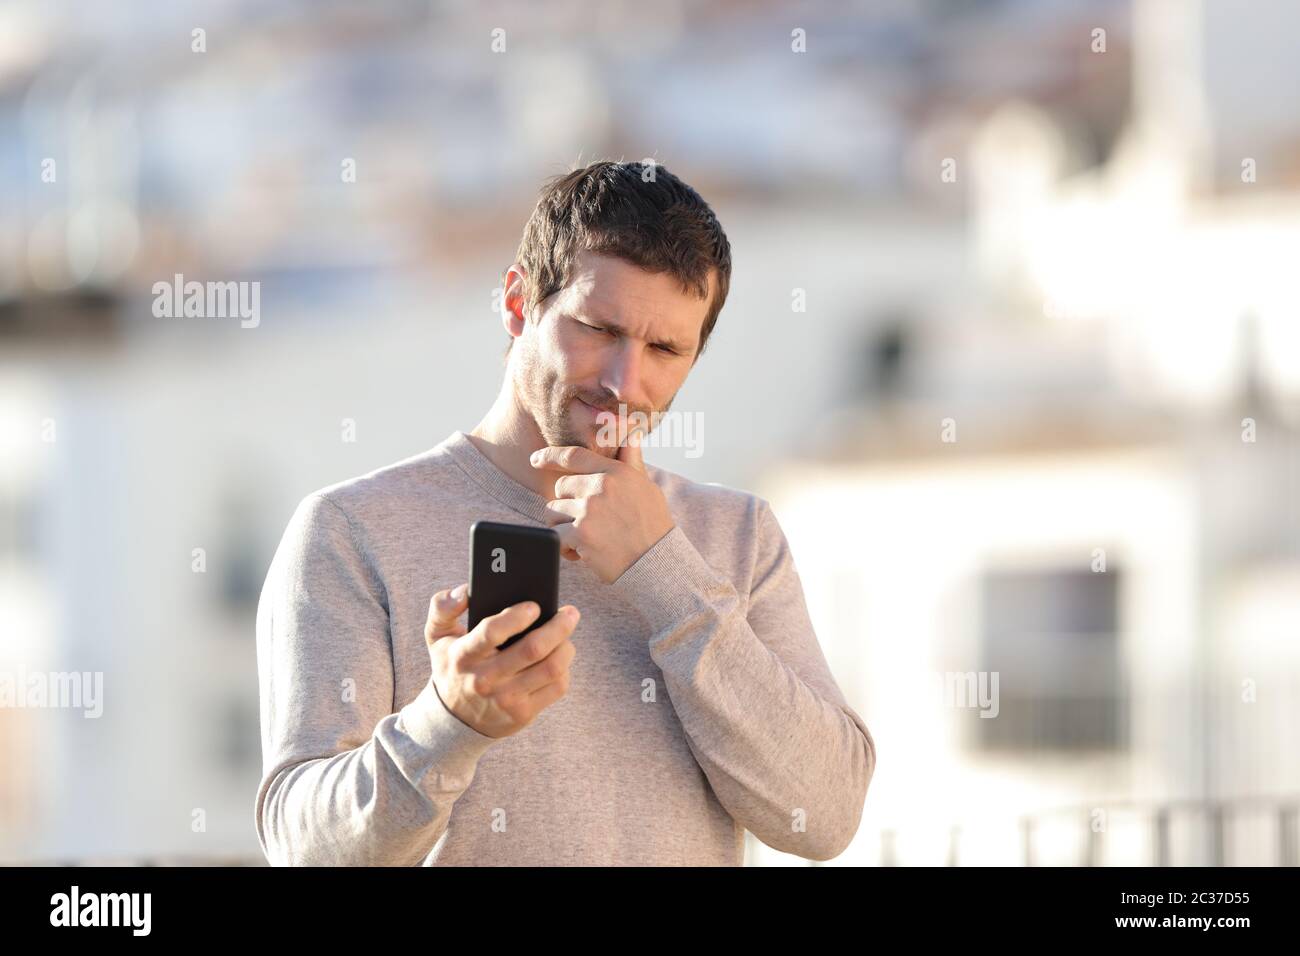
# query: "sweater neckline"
[493,480]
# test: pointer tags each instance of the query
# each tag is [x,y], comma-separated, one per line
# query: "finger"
[607,433]
[533,648]
[570,555]
[578,486]
[499,628]
[571,458]
[541,699]
[564,510]
[445,609]
[568,533]
[550,668]
[631,450]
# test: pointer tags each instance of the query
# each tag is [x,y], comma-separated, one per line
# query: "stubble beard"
[549,402]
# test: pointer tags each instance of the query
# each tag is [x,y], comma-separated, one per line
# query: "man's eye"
[600,328]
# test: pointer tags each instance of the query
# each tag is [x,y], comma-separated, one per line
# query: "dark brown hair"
[638,212]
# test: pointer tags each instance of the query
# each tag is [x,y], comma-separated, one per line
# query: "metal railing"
[1215,819]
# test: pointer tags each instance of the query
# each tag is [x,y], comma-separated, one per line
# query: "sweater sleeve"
[763,715]
[348,778]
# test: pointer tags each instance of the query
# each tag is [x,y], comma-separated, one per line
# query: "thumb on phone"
[445,610]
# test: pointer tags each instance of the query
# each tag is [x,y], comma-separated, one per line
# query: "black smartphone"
[510,563]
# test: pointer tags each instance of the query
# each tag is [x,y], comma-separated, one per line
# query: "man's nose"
[623,375]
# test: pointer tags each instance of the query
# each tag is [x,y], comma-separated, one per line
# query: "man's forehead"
[615,295]
[615,303]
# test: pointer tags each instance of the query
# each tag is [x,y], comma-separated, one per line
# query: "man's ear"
[512,301]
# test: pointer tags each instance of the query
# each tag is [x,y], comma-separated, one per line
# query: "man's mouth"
[593,409]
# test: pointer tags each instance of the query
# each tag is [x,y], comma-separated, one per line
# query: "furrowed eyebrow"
[674,346]
[605,323]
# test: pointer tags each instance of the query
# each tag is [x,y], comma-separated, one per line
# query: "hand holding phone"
[498,693]
[514,663]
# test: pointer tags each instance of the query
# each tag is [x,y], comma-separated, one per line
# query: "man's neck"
[507,436]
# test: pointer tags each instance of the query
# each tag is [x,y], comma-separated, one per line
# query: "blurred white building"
[1131,588]
[1087,483]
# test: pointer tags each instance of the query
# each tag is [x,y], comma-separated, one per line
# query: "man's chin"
[590,439]
[572,434]
[592,443]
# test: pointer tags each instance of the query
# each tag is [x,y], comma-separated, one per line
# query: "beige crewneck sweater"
[700,703]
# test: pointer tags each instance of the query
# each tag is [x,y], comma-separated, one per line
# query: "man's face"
[615,334]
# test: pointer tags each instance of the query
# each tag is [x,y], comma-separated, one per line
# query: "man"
[700,705]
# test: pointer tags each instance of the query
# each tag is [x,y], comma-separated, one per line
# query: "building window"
[1053,638]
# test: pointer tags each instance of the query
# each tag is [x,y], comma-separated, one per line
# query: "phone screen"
[510,563]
